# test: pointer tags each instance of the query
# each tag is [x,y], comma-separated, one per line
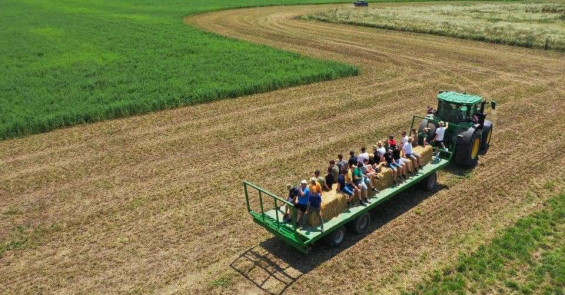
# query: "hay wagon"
[267,209]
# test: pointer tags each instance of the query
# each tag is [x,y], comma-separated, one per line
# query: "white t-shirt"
[381,151]
[404,140]
[440,132]
[408,148]
[361,157]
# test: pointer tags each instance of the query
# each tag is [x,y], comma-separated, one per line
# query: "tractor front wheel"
[486,135]
[467,149]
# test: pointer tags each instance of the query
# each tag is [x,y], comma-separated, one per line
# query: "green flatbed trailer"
[271,208]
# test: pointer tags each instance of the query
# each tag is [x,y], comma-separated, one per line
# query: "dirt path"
[154,202]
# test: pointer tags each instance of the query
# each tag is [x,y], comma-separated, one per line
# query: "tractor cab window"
[453,112]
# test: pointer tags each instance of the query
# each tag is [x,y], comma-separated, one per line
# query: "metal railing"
[276,202]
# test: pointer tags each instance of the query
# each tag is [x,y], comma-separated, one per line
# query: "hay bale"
[333,203]
[426,152]
[386,179]
[409,165]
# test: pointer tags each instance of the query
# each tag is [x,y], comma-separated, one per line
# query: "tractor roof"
[459,98]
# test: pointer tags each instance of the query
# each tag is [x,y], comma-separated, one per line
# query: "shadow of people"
[273,266]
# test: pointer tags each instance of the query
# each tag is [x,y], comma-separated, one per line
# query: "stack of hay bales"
[426,152]
[333,203]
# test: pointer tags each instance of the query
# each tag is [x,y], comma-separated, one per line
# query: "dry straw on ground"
[155,204]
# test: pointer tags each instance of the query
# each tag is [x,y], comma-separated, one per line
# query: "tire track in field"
[155,201]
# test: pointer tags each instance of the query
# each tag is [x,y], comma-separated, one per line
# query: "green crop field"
[68,62]
[527,258]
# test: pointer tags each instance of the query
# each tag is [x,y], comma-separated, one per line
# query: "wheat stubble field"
[154,203]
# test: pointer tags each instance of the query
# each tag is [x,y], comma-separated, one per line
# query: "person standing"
[440,134]
[301,202]
[316,207]
[293,192]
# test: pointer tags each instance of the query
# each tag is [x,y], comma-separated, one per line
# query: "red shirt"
[392,142]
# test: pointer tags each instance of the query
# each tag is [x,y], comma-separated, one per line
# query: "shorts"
[438,143]
[348,189]
[361,184]
[315,209]
[366,180]
[393,166]
[413,155]
[301,207]
[400,162]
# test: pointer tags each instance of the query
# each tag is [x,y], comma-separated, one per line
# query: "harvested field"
[539,25]
[154,203]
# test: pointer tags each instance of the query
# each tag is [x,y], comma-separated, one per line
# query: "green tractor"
[468,134]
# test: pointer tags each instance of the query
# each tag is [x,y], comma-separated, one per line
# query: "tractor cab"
[457,107]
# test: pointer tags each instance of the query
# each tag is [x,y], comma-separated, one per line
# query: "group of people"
[354,176]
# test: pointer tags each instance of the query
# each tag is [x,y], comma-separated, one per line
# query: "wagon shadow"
[273,266]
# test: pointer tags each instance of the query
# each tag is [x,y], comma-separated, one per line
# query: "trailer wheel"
[335,238]
[360,224]
[429,184]
[486,135]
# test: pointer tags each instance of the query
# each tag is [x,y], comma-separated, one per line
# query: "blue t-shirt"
[303,200]
[341,181]
[315,200]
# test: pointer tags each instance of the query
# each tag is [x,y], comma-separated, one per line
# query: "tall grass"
[68,62]
[537,25]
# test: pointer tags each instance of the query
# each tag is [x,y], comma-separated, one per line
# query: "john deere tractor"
[469,133]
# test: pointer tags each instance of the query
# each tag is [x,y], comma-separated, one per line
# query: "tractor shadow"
[273,266]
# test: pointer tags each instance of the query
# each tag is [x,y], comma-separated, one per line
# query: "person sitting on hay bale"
[409,153]
[359,181]
[400,161]
[389,158]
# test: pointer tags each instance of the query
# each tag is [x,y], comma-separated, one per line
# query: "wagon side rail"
[269,216]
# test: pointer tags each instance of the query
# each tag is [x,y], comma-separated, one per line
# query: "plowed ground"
[155,203]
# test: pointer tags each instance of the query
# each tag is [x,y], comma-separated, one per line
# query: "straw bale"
[426,152]
[408,163]
[333,203]
[386,179]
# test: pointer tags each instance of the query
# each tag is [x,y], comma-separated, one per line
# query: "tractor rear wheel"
[468,146]
[335,238]
[360,224]
[486,135]
[431,133]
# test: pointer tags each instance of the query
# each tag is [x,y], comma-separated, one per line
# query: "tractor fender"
[428,124]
